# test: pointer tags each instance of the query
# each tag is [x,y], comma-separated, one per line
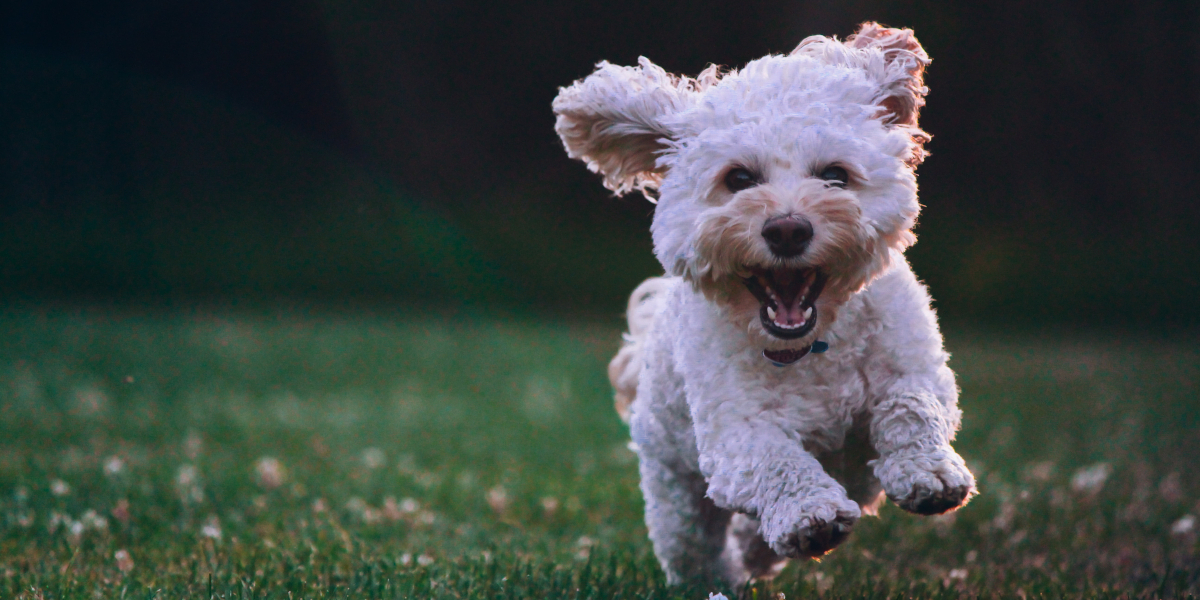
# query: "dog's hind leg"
[747,555]
[687,530]
[625,369]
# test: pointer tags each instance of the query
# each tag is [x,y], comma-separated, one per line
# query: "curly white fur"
[744,463]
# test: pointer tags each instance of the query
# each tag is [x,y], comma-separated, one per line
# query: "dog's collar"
[783,358]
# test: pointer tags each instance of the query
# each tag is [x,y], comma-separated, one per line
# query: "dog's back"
[626,367]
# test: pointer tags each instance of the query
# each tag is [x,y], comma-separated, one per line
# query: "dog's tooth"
[771,313]
[807,313]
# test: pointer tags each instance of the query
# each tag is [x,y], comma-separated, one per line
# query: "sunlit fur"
[742,462]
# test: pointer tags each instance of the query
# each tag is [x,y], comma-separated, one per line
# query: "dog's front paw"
[927,481]
[819,530]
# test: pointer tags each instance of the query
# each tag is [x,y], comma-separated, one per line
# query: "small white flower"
[114,466]
[371,516]
[92,520]
[269,472]
[1184,526]
[953,576]
[187,476]
[497,498]
[59,487]
[424,560]
[717,596]
[124,560]
[583,547]
[406,559]
[187,483]
[1090,480]
[373,458]
[211,528]
[398,510]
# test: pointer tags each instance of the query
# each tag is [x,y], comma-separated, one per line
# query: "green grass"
[456,456]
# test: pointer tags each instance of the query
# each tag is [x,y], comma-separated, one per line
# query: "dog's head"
[782,188]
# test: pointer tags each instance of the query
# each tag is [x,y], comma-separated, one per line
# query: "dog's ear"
[615,121]
[903,77]
[895,60]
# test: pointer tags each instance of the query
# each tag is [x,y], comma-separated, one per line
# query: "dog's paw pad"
[815,538]
[923,501]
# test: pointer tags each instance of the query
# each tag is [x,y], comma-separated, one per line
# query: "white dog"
[789,370]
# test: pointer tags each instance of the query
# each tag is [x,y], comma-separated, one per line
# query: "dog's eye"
[835,175]
[738,179]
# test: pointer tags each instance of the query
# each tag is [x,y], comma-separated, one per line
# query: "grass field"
[308,454]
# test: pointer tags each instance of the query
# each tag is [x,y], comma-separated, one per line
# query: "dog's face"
[783,188]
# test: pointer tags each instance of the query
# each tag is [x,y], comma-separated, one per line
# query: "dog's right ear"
[615,120]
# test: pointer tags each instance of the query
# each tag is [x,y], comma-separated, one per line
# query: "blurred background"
[312,285]
[250,152]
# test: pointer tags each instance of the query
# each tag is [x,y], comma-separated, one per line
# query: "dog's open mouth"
[787,297]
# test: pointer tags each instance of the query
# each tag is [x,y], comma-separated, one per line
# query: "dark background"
[257,151]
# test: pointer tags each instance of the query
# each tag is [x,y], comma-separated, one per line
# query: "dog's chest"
[818,397]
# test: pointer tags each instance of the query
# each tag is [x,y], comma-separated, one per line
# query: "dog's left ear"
[615,120]
[903,77]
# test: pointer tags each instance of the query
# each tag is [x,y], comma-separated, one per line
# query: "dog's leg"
[756,467]
[687,530]
[919,470]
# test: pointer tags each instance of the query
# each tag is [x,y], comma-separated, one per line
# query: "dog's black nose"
[787,236]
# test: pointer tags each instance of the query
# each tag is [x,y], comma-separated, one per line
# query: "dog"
[788,372]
